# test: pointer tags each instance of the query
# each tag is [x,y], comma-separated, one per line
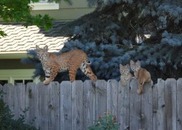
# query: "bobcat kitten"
[53,64]
[141,74]
[125,74]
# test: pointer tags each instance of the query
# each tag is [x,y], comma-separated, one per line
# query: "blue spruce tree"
[121,30]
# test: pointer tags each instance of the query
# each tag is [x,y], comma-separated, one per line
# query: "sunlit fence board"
[77,105]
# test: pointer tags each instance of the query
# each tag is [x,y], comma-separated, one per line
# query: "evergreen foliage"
[6,119]
[109,38]
[19,11]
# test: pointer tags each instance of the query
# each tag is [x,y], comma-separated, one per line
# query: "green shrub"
[107,122]
[8,123]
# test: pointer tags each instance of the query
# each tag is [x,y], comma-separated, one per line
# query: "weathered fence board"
[135,107]
[101,98]
[161,105]
[66,106]
[154,107]
[53,106]
[179,104]
[146,108]
[89,100]
[123,106]
[77,105]
[31,104]
[170,104]
[112,97]
[43,105]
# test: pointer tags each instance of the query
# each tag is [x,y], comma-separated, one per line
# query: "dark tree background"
[121,30]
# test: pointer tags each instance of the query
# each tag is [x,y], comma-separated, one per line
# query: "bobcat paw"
[46,82]
[139,91]
[151,83]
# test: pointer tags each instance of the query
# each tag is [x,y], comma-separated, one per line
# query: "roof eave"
[13,55]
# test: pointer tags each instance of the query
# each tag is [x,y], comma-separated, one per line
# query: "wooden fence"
[75,106]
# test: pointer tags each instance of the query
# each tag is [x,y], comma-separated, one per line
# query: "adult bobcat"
[125,74]
[53,64]
[141,74]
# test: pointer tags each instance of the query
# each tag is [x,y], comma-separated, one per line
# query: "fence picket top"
[78,104]
[77,83]
[8,85]
[159,80]
[64,83]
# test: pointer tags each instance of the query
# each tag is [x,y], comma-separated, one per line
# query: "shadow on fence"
[75,106]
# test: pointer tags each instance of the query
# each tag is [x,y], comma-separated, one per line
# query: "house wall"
[12,70]
[14,64]
[14,76]
[67,12]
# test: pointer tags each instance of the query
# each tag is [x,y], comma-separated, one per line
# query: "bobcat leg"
[90,74]
[140,87]
[47,81]
[50,74]
[72,74]
[85,68]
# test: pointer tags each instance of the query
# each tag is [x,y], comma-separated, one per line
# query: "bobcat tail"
[88,62]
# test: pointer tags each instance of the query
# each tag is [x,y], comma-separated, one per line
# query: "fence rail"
[75,106]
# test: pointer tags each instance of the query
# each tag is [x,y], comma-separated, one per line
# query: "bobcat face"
[124,70]
[42,53]
[135,66]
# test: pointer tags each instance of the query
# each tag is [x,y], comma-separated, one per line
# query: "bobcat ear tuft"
[127,65]
[46,48]
[37,47]
[131,62]
[120,66]
[138,63]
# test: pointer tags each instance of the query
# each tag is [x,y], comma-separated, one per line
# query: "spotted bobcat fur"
[71,61]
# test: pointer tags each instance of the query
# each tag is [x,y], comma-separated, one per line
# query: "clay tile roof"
[19,39]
